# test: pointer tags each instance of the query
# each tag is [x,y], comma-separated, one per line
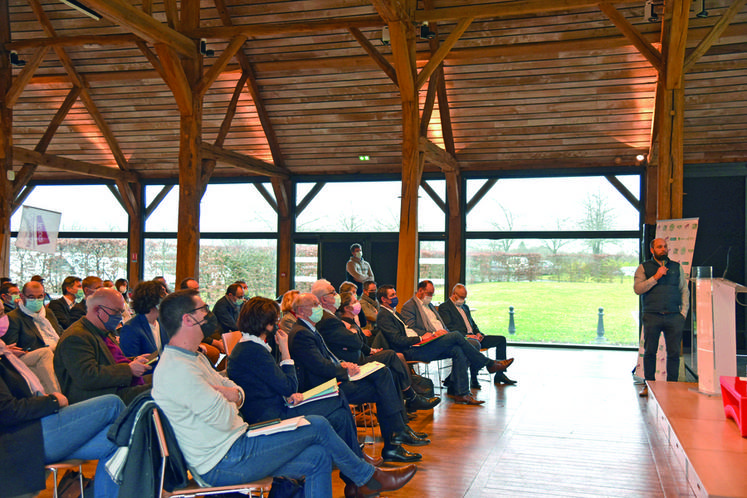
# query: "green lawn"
[557,311]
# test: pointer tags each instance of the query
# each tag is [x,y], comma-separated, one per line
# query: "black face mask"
[271,333]
[209,324]
[372,295]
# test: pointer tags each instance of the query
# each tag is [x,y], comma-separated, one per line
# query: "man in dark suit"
[61,307]
[437,343]
[316,364]
[457,317]
[10,294]
[227,308]
[90,284]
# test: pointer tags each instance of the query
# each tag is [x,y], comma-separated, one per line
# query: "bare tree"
[506,225]
[554,245]
[597,217]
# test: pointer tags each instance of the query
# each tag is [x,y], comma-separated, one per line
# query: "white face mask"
[459,302]
[427,300]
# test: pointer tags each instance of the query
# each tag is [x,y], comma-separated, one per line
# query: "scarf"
[48,333]
[32,380]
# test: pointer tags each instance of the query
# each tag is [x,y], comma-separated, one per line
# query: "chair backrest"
[230,339]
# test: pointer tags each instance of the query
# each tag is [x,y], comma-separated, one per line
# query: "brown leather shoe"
[467,399]
[375,461]
[499,366]
[386,480]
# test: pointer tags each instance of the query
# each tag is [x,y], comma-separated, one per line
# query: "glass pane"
[556,289]
[582,203]
[351,207]
[306,266]
[222,262]
[89,208]
[432,266]
[165,217]
[431,218]
[106,258]
[236,208]
[160,259]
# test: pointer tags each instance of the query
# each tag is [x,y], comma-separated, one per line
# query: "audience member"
[33,334]
[457,318]
[10,294]
[358,269]
[203,408]
[227,308]
[286,307]
[316,365]
[39,428]
[143,334]
[88,362]
[436,345]
[162,280]
[369,306]
[61,307]
[40,279]
[88,285]
[189,283]
[108,284]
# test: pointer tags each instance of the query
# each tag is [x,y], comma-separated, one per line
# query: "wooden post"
[135,240]
[6,143]
[190,158]
[454,232]
[285,196]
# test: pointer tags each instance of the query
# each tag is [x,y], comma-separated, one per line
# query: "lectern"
[715,326]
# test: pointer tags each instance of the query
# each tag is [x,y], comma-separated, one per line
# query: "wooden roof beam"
[436,155]
[80,167]
[437,58]
[146,27]
[72,41]
[391,10]
[253,31]
[219,65]
[713,35]
[433,195]
[176,78]
[248,163]
[631,33]
[502,9]
[26,73]
[378,58]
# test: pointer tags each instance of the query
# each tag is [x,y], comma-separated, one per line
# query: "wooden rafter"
[713,35]
[433,195]
[502,9]
[285,29]
[220,64]
[152,58]
[430,100]
[22,80]
[624,191]
[80,167]
[377,57]
[438,58]
[631,33]
[143,25]
[248,163]
[436,155]
[172,14]
[72,41]
[176,79]
[266,196]
[309,197]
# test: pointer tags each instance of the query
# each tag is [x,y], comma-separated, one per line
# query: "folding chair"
[66,464]
[197,487]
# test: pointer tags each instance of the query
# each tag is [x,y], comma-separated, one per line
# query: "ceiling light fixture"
[385,35]
[703,12]
[82,9]
[15,60]
[425,32]
[649,12]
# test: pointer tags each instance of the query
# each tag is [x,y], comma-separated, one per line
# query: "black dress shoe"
[474,384]
[419,402]
[419,435]
[399,454]
[500,378]
[405,437]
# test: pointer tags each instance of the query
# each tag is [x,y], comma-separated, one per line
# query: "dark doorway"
[379,250]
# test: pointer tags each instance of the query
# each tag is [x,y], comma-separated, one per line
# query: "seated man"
[33,333]
[457,318]
[316,364]
[347,345]
[10,294]
[442,344]
[89,363]
[61,307]
[203,408]
[369,305]
[90,284]
[227,308]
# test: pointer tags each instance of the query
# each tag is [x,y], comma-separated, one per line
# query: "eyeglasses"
[204,308]
[112,311]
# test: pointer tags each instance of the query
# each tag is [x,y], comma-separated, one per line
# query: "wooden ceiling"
[529,84]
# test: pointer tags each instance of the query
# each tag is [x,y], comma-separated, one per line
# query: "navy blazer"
[453,319]
[136,337]
[61,311]
[314,363]
[265,384]
[345,344]
[227,314]
[394,331]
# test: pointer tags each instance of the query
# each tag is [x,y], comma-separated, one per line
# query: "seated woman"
[286,306]
[38,429]
[142,334]
[267,386]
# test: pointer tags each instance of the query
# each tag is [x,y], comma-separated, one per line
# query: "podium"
[715,326]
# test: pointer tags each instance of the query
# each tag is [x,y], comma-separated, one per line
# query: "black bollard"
[511,324]
[600,326]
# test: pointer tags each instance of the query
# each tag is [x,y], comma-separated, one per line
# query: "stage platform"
[706,444]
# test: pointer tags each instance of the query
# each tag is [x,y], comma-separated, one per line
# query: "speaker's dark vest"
[665,296]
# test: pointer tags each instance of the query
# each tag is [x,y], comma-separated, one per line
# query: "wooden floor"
[574,426]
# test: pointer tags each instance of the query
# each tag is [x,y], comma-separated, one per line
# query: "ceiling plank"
[219,65]
[72,41]
[437,58]
[152,58]
[25,76]
[285,29]
[71,165]
[631,33]
[391,10]
[378,58]
[176,79]
[502,9]
[146,27]
[436,155]
[713,36]
[103,126]
[248,163]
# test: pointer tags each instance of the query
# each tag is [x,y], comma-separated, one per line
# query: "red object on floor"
[734,396]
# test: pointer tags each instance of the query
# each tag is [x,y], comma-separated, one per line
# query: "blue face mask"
[34,305]
[112,321]
[316,314]
[395,302]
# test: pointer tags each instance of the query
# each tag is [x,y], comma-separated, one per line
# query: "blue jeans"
[79,431]
[307,451]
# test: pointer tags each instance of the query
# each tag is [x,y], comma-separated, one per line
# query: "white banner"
[39,229]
